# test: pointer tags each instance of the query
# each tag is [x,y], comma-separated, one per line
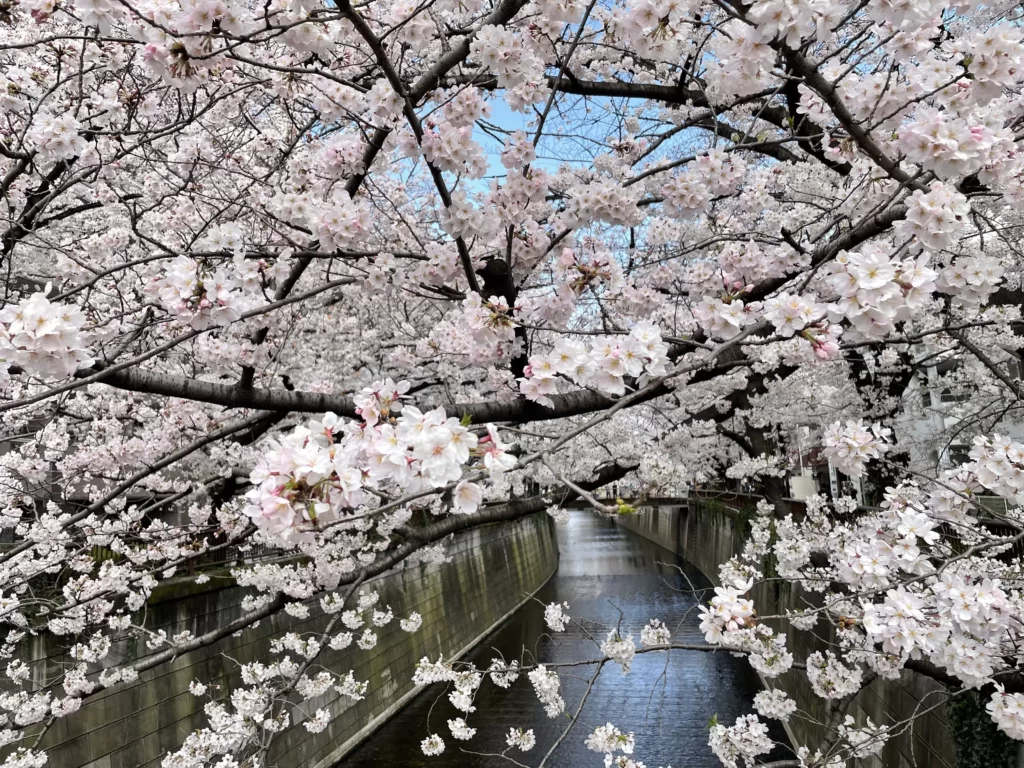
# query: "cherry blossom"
[343,279]
[555,616]
[743,741]
[44,337]
[523,740]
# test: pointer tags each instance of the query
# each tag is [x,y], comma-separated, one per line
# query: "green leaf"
[622,508]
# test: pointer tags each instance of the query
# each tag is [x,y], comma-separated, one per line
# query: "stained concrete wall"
[493,570]
[707,535]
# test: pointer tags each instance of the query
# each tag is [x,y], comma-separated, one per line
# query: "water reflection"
[607,575]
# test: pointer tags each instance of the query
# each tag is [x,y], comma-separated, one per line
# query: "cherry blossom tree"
[339,278]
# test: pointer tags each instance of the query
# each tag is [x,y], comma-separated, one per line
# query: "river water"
[607,574]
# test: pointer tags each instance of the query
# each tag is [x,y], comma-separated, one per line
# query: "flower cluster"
[524,740]
[619,649]
[791,313]
[934,218]
[491,327]
[743,59]
[341,225]
[429,672]
[775,704]
[742,741]
[555,616]
[851,446]
[310,476]
[830,678]
[43,337]
[999,464]
[877,291]
[794,23]
[460,730]
[546,684]
[728,612]
[721,171]
[724,318]
[432,746]
[609,739]
[197,297]
[451,148]
[730,621]
[603,200]
[580,270]
[605,365]
[342,156]
[864,741]
[57,137]
[255,174]
[951,146]
[503,674]
[502,51]
[465,686]
[1007,711]
[995,56]
[685,196]
[971,279]
[655,633]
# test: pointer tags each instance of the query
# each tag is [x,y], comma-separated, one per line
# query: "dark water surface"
[666,700]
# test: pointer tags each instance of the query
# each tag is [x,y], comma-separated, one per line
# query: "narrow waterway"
[607,575]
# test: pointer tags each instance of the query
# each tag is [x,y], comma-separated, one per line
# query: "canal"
[606,574]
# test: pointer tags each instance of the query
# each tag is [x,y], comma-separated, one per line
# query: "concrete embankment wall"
[493,570]
[707,534]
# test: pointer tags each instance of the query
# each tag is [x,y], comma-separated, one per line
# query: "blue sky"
[503,117]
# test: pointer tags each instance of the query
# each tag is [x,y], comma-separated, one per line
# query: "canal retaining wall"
[708,533]
[493,570]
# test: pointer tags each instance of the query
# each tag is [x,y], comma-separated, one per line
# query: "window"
[1013,368]
[949,396]
[926,398]
[959,454]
